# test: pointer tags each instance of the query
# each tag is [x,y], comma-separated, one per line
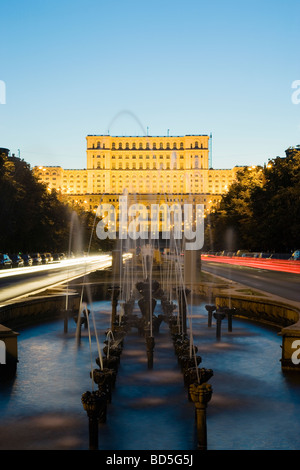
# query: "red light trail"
[288,266]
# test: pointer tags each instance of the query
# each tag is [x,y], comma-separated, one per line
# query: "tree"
[261,211]
[231,226]
[33,217]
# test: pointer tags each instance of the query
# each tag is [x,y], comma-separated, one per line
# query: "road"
[268,279]
[19,282]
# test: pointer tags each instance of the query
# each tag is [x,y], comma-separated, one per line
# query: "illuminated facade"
[151,169]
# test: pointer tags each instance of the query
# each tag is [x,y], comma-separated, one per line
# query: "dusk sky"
[73,68]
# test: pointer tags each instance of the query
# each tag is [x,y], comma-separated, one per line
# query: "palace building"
[151,170]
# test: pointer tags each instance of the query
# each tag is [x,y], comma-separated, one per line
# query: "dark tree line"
[261,211]
[34,219]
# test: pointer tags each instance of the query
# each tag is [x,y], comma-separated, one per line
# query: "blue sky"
[73,68]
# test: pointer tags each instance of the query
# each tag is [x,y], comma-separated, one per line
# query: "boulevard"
[269,277]
[281,278]
[19,282]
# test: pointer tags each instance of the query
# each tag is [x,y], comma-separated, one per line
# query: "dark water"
[254,405]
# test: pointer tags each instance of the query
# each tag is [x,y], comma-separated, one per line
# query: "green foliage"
[261,211]
[33,219]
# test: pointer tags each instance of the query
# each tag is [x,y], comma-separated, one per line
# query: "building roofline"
[147,136]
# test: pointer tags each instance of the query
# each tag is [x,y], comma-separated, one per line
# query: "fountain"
[115,292]
[201,394]
[182,293]
[210,309]
[75,243]
[147,304]
[148,324]
[219,316]
[81,319]
[94,403]
[230,313]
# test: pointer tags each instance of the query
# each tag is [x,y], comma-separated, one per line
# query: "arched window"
[113,146]
[120,145]
[98,145]
[127,145]
[161,145]
[181,145]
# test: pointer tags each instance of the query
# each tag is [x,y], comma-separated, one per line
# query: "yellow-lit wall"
[175,168]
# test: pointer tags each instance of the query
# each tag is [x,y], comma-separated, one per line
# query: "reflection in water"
[254,404]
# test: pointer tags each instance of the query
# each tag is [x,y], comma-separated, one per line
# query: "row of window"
[147,146]
[169,199]
[147,157]
[41,175]
[215,180]
[147,166]
[95,207]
